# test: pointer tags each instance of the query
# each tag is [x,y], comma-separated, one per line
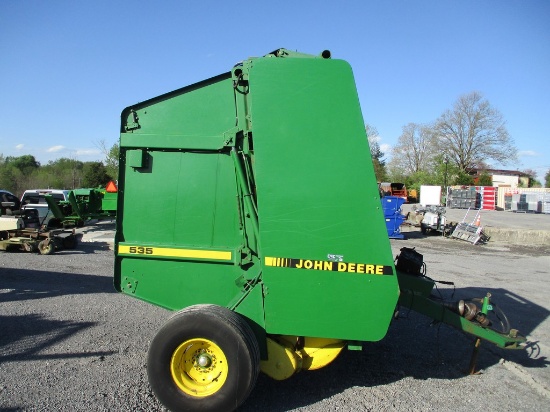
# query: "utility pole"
[446,161]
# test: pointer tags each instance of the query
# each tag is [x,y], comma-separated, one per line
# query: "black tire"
[225,340]
[13,248]
[54,223]
[29,247]
[69,242]
[46,248]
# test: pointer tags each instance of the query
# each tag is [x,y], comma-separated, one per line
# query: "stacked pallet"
[546,203]
[528,202]
[466,198]
[488,197]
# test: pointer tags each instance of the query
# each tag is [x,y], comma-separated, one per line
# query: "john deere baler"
[248,205]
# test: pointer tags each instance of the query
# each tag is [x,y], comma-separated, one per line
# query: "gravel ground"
[69,342]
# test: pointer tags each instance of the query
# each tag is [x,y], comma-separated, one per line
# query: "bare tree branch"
[414,150]
[474,132]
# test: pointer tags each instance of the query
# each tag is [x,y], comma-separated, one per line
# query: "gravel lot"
[69,342]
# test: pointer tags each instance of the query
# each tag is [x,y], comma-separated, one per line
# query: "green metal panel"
[136,157]
[184,200]
[109,201]
[186,118]
[179,230]
[318,201]
[189,283]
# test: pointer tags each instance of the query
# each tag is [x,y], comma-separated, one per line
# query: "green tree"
[63,173]
[8,179]
[95,175]
[111,158]
[547,179]
[111,161]
[18,173]
[533,182]
[485,179]
[417,179]
[26,163]
[440,174]
[463,178]
[377,155]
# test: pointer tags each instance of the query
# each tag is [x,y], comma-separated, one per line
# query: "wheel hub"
[204,360]
[199,367]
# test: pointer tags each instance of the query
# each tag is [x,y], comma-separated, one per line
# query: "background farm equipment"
[395,189]
[35,199]
[35,240]
[16,235]
[412,196]
[83,205]
[435,221]
[271,247]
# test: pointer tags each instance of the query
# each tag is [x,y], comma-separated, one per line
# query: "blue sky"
[68,68]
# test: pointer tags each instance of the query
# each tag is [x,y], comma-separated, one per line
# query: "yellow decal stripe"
[269,261]
[172,252]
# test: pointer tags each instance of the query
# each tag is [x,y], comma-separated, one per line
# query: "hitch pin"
[485,307]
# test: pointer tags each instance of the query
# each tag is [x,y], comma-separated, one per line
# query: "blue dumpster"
[391,205]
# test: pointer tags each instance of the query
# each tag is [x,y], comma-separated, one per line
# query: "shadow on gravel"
[24,337]
[413,348]
[26,284]
[86,248]
[414,234]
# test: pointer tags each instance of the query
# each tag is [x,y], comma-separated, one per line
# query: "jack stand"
[473,360]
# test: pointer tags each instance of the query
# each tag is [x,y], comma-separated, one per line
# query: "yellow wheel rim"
[199,367]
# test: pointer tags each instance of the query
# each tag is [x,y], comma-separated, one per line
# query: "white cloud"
[87,152]
[19,146]
[55,149]
[385,148]
[531,153]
